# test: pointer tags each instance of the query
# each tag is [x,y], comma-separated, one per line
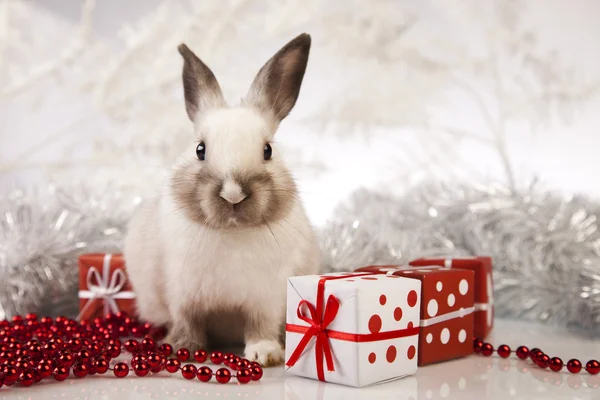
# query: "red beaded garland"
[522,352]
[574,366]
[556,364]
[60,373]
[188,371]
[216,357]
[244,375]
[132,345]
[27,378]
[33,349]
[200,356]
[121,370]
[504,351]
[204,374]
[166,349]
[172,365]
[223,375]
[140,368]
[592,367]
[487,349]
[183,354]
[80,370]
[257,372]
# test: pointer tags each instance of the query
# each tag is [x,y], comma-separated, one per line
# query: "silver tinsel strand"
[41,236]
[545,248]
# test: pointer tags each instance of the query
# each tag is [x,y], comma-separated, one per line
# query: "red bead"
[487,349]
[114,350]
[542,360]
[136,331]
[45,370]
[244,375]
[574,366]
[148,344]
[74,344]
[84,354]
[66,359]
[183,354]
[216,357]
[46,321]
[157,369]
[139,357]
[534,353]
[556,364]
[522,352]
[155,360]
[140,368]
[132,345]
[243,363]
[166,349]
[257,372]
[200,356]
[121,370]
[223,375]
[36,376]
[31,317]
[477,345]
[11,374]
[204,374]
[592,367]
[27,378]
[172,365]
[61,373]
[504,351]
[50,348]
[80,370]
[188,371]
[101,365]
[17,319]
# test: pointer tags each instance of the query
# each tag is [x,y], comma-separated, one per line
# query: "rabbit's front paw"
[268,353]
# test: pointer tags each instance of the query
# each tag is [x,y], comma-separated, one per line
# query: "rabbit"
[210,255]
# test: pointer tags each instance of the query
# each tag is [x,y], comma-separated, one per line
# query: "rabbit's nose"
[232,193]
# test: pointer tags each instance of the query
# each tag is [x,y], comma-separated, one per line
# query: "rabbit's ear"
[200,87]
[277,84]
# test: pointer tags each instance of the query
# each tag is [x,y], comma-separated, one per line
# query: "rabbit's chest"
[235,269]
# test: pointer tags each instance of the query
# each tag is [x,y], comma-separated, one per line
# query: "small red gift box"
[103,286]
[484,289]
[447,305]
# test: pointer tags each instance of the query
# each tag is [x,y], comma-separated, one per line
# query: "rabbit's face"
[233,175]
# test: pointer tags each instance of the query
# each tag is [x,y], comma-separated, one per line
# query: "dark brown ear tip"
[183,49]
[303,40]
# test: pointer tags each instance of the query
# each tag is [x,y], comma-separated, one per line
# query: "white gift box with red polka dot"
[353,329]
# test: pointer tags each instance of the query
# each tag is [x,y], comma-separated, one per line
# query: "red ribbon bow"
[320,318]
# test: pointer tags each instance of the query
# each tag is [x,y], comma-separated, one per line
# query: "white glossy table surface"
[474,377]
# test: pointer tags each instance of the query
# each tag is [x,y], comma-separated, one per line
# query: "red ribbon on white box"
[108,288]
[320,317]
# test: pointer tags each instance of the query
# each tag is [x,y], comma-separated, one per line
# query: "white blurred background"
[396,91]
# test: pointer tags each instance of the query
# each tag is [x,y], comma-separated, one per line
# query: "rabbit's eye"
[201,151]
[267,152]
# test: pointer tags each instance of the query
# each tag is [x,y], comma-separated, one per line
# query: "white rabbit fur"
[224,274]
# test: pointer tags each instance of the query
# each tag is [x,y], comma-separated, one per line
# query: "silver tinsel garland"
[546,248]
[41,236]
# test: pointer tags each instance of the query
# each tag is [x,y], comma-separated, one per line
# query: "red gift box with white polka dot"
[484,289]
[447,305]
[369,327]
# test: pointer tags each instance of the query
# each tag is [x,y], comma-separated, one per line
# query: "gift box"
[354,329]
[484,289]
[103,286]
[447,305]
